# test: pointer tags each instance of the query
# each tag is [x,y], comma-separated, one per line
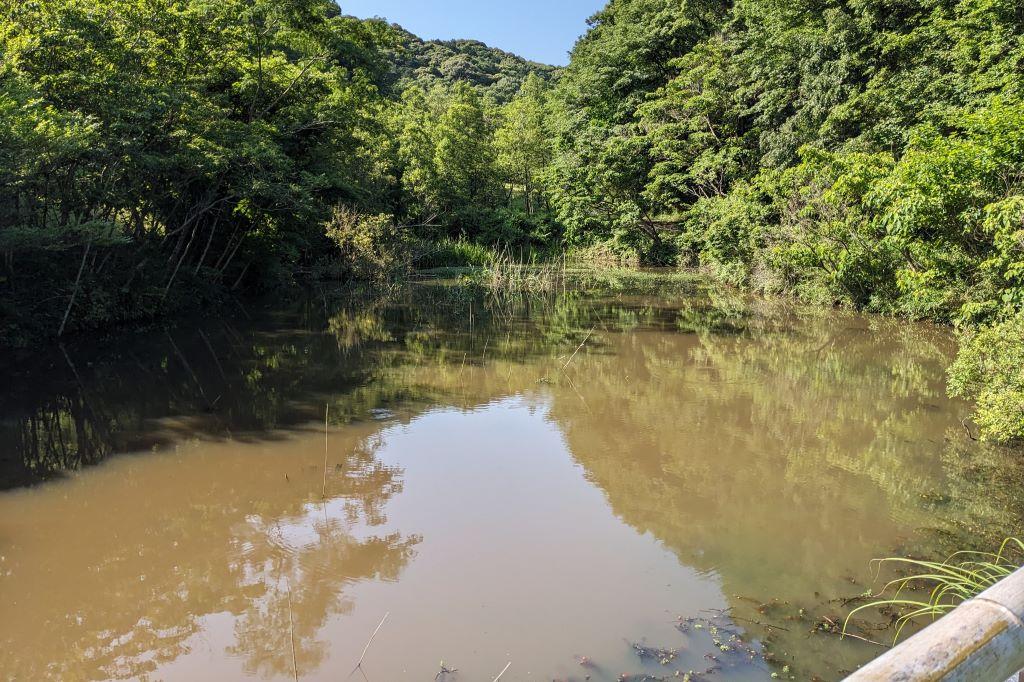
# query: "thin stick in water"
[507,666]
[367,647]
[291,635]
[578,348]
[863,639]
[327,416]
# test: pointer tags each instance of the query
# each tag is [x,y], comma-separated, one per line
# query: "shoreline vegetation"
[927,590]
[155,159]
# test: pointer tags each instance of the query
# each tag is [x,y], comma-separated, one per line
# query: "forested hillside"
[867,153]
[428,64]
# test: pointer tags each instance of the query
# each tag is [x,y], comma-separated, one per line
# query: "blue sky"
[542,30]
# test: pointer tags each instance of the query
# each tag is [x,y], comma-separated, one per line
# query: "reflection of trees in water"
[818,395]
[245,543]
[240,378]
[60,435]
[298,596]
[782,448]
[777,446]
[786,453]
[846,393]
[246,378]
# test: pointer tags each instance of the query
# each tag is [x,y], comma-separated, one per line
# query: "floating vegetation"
[716,642]
[725,639]
[444,672]
[661,655]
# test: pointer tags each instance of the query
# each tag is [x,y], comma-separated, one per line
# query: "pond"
[634,480]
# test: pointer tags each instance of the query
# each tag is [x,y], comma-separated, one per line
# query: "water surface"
[601,484]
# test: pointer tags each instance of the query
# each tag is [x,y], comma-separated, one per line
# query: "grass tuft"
[933,589]
[452,253]
[507,274]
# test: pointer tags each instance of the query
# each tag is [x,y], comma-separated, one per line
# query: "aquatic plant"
[948,583]
[509,274]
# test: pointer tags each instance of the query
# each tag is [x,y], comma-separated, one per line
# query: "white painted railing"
[980,641]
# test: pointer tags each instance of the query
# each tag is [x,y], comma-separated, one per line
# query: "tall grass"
[932,589]
[604,255]
[452,253]
[507,274]
[509,270]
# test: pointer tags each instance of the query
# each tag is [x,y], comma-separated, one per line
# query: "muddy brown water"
[549,482]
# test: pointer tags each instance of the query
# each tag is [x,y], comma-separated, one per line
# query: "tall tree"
[523,144]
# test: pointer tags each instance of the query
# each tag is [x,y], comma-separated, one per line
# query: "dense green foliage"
[867,153]
[159,152]
[989,369]
[857,152]
[430,63]
[150,143]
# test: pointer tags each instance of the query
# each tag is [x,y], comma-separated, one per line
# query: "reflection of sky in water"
[519,553]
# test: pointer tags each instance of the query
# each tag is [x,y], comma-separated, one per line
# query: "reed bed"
[507,274]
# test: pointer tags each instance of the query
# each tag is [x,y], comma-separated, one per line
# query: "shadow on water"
[269,371]
[250,377]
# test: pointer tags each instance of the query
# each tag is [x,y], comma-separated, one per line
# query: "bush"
[723,235]
[516,228]
[990,370]
[370,247]
[606,254]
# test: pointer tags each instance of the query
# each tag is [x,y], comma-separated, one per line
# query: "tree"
[604,157]
[522,142]
[464,154]
[194,142]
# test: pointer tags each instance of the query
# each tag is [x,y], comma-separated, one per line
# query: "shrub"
[724,235]
[370,247]
[990,370]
